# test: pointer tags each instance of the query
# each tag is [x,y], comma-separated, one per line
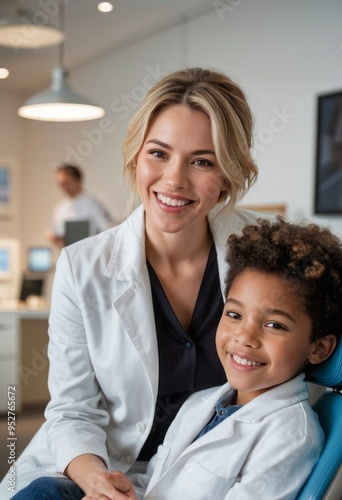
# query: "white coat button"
[140,427]
[129,459]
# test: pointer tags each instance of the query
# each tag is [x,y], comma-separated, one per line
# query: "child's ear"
[321,349]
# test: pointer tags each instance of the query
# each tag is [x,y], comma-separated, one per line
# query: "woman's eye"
[201,162]
[156,153]
[275,325]
[233,314]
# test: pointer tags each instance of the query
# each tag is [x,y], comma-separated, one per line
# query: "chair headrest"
[328,373]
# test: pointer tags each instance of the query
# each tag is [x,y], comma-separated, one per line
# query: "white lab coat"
[265,450]
[103,351]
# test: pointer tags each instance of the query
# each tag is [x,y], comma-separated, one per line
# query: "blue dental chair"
[325,481]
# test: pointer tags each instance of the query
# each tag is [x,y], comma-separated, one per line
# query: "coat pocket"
[197,483]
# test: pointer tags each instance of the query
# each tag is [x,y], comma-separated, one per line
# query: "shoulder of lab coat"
[223,222]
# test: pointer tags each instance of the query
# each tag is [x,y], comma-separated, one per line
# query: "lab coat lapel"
[134,304]
[192,424]
[134,308]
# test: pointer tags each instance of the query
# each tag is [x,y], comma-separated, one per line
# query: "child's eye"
[202,162]
[233,314]
[275,325]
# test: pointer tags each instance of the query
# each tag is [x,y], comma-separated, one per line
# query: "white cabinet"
[23,358]
[9,350]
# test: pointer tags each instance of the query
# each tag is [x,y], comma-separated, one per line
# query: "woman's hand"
[92,476]
[111,486]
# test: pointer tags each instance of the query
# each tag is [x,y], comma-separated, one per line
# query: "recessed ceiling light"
[105,7]
[28,31]
[4,73]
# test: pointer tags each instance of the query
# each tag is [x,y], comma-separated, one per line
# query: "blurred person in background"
[78,205]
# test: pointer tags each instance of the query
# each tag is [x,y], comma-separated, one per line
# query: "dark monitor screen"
[39,259]
[76,230]
[31,287]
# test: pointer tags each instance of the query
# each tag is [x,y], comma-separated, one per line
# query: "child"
[257,436]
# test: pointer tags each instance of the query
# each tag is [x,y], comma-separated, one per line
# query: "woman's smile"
[178,178]
[172,201]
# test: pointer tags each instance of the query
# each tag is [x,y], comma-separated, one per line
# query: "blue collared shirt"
[223,409]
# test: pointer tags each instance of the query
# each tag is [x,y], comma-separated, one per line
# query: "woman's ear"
[225,190]
[322,349]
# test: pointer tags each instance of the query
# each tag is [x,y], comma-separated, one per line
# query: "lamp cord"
[62,28]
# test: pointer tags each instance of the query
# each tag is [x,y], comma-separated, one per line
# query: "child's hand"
[111,486]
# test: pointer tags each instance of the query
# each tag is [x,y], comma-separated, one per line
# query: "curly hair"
[307,256]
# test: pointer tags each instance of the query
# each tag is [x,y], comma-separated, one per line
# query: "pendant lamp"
[60,103]
[27,30]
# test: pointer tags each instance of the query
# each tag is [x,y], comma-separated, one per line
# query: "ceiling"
[89,34]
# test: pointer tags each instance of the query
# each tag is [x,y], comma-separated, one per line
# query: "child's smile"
[263,338]
[244,363]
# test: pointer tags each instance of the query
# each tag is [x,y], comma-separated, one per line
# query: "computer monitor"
[76,230]
[31,287]
[9,258]
[39,259]
[4,262]
[10,269]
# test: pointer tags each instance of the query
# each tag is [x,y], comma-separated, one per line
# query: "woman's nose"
[176,175]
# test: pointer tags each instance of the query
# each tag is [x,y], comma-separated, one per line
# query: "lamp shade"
[60,103]
[29,31]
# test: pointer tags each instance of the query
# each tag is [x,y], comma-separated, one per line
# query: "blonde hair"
[230,117]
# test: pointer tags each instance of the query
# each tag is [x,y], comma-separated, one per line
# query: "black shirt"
[188,361]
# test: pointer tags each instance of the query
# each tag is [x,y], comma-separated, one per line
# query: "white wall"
[283,53]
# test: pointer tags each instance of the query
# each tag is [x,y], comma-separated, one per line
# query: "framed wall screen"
[5,191]
[328,191]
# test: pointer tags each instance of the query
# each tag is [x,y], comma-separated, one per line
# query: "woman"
[135,309]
